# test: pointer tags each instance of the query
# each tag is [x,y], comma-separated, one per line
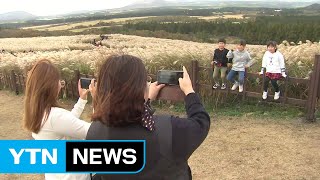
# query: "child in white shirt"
[273,63]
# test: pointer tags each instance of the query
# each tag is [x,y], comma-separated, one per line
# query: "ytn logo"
[44,154]
[105,157]
[59,156]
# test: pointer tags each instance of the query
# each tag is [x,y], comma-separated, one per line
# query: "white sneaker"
[215,86]
[240,88]
[265,95]
[276,95]
[223,86]
[235,86]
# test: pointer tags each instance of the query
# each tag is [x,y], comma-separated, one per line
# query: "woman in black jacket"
[122,111]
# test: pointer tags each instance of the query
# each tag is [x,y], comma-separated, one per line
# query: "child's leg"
[223,74]
[241,77]
[231,76]
[216,74]
[275,85]
[266,84]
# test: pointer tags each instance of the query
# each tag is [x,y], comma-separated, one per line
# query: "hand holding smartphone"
[85,82]
[169,77]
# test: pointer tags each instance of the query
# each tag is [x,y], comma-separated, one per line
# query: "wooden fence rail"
[16,82]
[246,93]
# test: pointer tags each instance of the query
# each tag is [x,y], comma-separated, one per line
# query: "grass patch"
[256,109]
[259,109]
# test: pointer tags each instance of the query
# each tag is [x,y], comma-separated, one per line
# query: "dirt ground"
[236,147]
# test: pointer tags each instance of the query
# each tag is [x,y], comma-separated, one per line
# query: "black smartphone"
[169,77]
[85,82]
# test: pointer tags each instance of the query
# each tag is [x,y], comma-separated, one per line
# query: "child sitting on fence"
[273,63]
[219,63]
[241,61]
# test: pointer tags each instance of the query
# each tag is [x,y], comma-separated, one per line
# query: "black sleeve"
[189,133]
[214,55]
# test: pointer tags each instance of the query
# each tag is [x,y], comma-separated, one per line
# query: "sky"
[55,7]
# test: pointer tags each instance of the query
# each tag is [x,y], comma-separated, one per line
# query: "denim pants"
[232,74]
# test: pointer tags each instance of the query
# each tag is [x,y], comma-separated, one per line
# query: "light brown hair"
[42,89]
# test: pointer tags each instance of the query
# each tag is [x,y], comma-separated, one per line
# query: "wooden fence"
[16,83]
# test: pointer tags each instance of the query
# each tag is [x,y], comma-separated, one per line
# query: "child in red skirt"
[273,62]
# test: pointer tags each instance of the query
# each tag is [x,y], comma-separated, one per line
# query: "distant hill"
[17,16]
[312,7]
[148,4]
[141,4]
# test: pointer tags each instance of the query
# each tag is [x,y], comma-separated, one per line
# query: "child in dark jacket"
[219,63]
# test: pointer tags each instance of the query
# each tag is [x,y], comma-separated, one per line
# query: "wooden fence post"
[313,90]
[72,89]
[20,84]
[210,73]
[244,85]
[263,79]
[9,82]
[1,83]
[14,82]
[4,81]
[285,96]
[195,75]
[24,82]
[75,93]
[318,93]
